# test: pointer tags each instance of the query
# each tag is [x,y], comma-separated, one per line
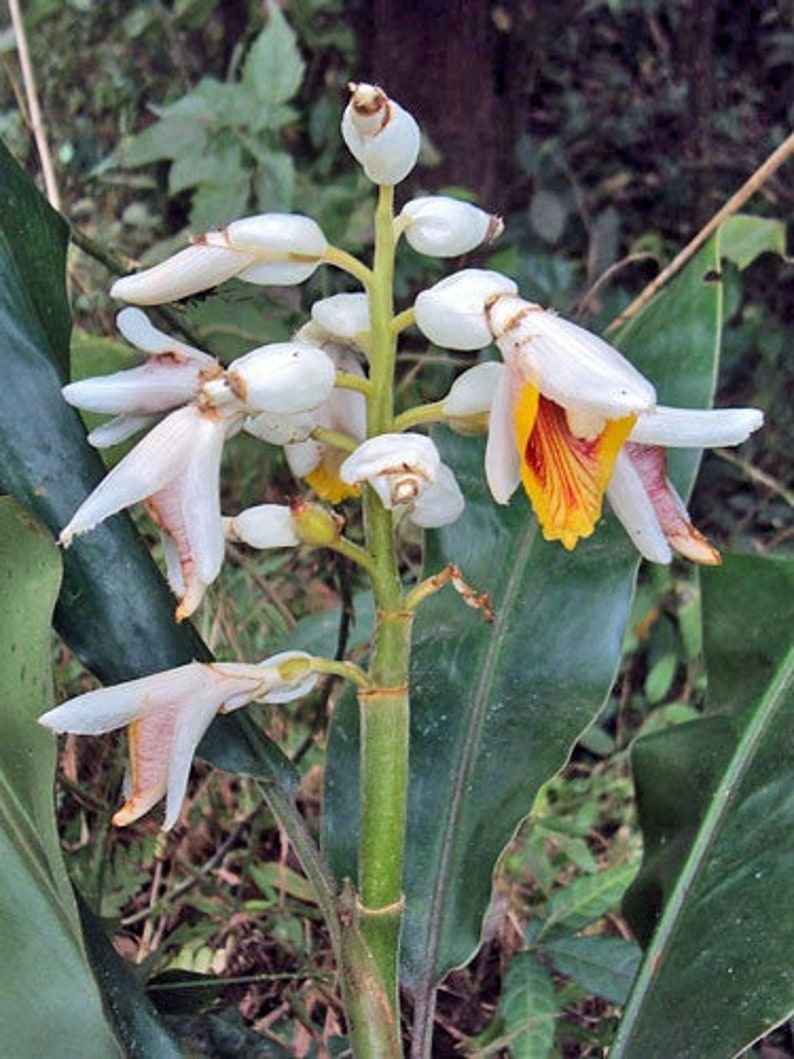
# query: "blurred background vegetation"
[606,133]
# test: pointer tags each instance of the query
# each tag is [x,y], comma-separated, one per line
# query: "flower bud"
[452,313]
[263,526]
[445,227]
[284,377]
[315,525]
[381,136]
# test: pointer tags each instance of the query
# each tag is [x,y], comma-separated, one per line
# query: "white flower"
[381,136]
[452,312]
[571,419]
[269,248]
[171,376]
[405,470]
[445,227]
[168,713]
[175,469]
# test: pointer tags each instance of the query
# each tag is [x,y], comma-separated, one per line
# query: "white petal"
[139,331]
[502,460]
[285,377]
[264,526]
[569,365]
[444,227]
[201,501]
[696,428]
[303,457]
[278,429]
[157,459]
[281,689]
[439,504]
[272,236]
[278,273]
[117,430]
[452,312]
[106,709]
[389,454]
[472,393]
[193,721]
[194,269]
[344,316]
[632,505]
[151,388]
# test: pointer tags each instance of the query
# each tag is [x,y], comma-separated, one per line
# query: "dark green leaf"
[47,991]
[721,954]
[601,965]
[132,1014]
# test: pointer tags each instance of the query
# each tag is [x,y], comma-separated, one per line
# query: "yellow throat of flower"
[565,476]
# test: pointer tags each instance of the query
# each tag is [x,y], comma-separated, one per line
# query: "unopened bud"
[452,313]
[445,227]
[315,525]
[382,137]
[284,377]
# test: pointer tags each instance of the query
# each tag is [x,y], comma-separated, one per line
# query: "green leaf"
[527,1008]
[273,67]
[274,183]
[584,902]
[602,965]
[47,992]
[743,238]
[720,957]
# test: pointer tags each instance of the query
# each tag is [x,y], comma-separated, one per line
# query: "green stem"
[384,706]
[423,413]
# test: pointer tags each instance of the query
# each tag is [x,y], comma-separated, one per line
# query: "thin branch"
[36,122]
[775,160]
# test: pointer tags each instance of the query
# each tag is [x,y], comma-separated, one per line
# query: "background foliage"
[610,130]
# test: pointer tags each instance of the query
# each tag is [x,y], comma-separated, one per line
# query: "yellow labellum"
[327,484]
[565,476]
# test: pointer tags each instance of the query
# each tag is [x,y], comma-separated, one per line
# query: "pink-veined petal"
[157,459]
[629,500]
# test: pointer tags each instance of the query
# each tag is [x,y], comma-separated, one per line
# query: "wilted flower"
[381,136]
[168,713]
[405,470]
[445,227]
[269,248]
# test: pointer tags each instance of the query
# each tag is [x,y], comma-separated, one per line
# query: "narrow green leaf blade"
[45,980]
[721,955]
[602,965]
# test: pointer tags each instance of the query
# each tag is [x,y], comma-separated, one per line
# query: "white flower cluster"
[567,416]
